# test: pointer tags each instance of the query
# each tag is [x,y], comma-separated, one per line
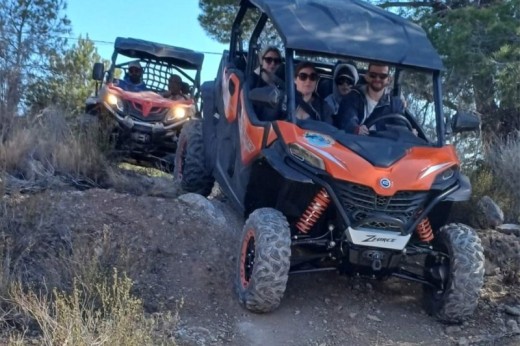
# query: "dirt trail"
[184,249]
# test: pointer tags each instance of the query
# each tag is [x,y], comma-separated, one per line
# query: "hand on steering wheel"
[395,116]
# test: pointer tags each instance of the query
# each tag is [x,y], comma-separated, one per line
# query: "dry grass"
[503,160]
[108,316]
[56,284]
[46,147]
[59,285]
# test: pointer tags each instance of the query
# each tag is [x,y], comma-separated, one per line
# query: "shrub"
[108,316]
[503,159]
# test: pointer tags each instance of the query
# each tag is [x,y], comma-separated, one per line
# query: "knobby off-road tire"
[465,276]
[264,260]
[190,171]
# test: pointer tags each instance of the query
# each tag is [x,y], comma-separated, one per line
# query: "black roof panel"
[344,27]
[137,48]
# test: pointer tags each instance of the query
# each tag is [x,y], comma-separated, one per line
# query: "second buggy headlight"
[181,111]
[114,101]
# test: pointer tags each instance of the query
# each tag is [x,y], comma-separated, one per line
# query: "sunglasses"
[270,60]
[342,81]
[134,70]
[303,76]
[375,75]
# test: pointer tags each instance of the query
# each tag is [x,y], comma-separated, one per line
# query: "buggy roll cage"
[164,58]
[408,48]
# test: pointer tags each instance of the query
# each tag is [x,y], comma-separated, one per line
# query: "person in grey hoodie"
[345,78]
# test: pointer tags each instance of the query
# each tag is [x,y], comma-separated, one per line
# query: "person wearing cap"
[133,80]
[369,101]
[269,60]
[345,77]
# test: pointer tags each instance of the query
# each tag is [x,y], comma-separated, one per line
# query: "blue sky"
[171,22]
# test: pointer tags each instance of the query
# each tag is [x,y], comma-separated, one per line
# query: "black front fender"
[463,193]
[277,158]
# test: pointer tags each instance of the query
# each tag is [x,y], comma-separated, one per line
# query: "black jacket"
[351,112]
[317,109]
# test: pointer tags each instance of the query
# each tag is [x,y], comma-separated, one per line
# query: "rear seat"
[324,87]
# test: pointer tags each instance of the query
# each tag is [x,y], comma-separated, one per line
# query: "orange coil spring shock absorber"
[424,230]
[319,203]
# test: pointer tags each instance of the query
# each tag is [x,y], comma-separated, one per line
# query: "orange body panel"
[271,136]
[230,101]
[147,100]
[417,170]
[250,136]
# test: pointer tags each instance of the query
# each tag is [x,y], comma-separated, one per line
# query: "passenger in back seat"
[345,77]
[270,58]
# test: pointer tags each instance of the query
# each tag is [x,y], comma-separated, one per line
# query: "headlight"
[113,100]
[446,178]
[178,112]
[306,156]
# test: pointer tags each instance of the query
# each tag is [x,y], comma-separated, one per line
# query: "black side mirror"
[269,95]
[98,71]
[465,121]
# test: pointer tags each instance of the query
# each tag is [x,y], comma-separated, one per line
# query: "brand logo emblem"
[385,183]
[318,140]
[374,238]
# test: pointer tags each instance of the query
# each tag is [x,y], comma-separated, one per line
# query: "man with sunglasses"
[133,79]
[369,101]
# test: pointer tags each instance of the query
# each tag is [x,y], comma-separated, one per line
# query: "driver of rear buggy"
[133,80]
[369,101]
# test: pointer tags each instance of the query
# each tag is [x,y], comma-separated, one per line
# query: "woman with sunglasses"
[269,60]
[345,77]
[369,101]
[309,105]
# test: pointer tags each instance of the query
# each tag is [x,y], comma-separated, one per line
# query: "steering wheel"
[395,116]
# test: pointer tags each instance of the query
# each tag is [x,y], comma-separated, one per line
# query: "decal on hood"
[318,140]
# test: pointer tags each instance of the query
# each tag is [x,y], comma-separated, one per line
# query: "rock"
[501,251]
[201,204]
[453,329]
[509,228]
[463,341]
[513,326]
[373,318]
[512,310]
[489,213]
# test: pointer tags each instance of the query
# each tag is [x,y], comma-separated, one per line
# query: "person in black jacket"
[309,105]
[269,60]
[369,102]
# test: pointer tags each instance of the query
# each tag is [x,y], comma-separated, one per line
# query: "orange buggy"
[317,198]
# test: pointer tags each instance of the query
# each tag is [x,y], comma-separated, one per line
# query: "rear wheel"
[264,260]
[190,171]
[458,277]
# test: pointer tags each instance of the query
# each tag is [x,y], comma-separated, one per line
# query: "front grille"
[361,202]
[135,110]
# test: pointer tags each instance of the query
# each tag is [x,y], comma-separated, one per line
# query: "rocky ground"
[181,252]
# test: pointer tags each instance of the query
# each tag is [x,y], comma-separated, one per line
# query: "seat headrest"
[324,87]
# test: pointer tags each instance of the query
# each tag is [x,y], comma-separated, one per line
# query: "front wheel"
[190,170]
[458,277]
[264,260]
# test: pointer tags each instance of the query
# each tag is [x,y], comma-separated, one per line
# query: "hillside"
[180,252]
